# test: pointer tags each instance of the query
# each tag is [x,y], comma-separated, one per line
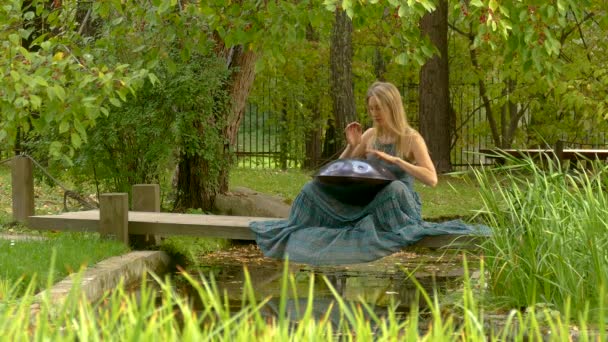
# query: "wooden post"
[22,179]
[558,151]
[146,197]
[114,216]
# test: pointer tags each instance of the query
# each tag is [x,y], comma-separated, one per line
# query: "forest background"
[121,92]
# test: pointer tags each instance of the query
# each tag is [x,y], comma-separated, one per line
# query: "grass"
[29,260]
[159,313]
[456,195]
[550,242]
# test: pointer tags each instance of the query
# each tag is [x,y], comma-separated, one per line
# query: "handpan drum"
[353,181]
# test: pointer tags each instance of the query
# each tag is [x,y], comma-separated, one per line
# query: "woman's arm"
[356,148]
[423,170]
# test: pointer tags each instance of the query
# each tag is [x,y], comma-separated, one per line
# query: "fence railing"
[274,136]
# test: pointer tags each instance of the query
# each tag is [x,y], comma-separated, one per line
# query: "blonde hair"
[389,100]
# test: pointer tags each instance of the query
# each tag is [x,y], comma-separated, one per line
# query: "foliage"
[138,142]
[525,54]
[52,83]
[528,54]
[550,243]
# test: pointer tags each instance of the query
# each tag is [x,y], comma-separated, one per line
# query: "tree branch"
[468,35]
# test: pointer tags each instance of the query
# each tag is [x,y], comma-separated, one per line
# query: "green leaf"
[476,3]
[41,81]
[35,102]
[153,79]
[426,50]
[493,5]
[55,148]
[64,126]
[59,92]
[15,75]
[402,11]
[79,128]
[75,138]
[14,38]
[550,12]
[25,33]
[122,94]
[139,48]
[115,102]
[402,59]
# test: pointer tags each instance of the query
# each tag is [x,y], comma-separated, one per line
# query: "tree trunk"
[243,63]
[197,181]
[340,59]
[434,110]
[379,65]
[330,142]
[193,173]
[313,135]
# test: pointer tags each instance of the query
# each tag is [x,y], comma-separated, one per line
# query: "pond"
[383,283]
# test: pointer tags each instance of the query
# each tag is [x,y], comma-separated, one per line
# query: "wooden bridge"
[168,224]
[114,219]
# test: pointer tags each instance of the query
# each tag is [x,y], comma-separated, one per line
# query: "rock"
[242,201]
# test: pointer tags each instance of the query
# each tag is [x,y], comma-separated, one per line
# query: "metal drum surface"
[353,181]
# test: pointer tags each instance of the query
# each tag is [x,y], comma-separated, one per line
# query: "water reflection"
[380,284]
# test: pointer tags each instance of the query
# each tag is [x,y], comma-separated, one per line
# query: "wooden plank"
[78,221]
[220,226]
[229,227]
[567,154]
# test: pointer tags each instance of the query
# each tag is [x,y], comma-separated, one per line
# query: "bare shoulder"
[369,132]
[416,146]
[414,137]
[365,138]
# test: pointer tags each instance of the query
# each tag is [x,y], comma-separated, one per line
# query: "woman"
[324,230]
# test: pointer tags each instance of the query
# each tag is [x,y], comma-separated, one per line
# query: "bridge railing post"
[22,180]
[146,197]
[114,216]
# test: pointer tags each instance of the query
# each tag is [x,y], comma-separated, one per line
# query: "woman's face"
[376,111]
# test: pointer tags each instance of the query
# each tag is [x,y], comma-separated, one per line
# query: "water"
[380,284]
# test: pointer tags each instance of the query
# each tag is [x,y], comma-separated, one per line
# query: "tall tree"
[434,91]
[313,134]
[342,92]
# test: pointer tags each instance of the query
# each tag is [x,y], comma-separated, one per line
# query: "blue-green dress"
[322,230]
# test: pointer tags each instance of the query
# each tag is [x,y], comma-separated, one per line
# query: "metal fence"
[273,138]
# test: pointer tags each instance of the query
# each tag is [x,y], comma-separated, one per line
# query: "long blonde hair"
[389,100]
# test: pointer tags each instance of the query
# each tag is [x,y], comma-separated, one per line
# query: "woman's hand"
[383,156]
[353,133]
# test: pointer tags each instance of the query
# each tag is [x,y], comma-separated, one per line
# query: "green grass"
[186,250]
[286,184]
[454,196]
[550,242]
[159,313]
[30,260]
